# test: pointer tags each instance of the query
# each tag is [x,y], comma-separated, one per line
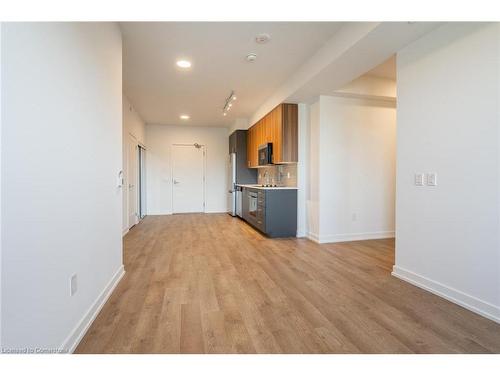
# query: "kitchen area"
[262,174]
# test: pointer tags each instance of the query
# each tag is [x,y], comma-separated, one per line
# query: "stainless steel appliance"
[252,203]
[238,172]
[231,203]
[239,202]
[266,154]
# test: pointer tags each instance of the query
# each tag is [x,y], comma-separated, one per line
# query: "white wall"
[352,169]
[61,153]
[302,169]
[1,117]
[370,86]
[159,139]
[448,123]
[313,163]
[239,123]
[134,126]
[132,122]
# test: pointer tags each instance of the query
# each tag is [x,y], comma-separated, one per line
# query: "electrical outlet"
[73,285]
[431,179]
[419,179]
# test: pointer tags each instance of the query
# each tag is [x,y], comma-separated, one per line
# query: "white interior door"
[132,166]
[188,171]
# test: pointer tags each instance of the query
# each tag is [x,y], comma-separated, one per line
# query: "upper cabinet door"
[290,133]
[250,144]
[277,130]
[279,127]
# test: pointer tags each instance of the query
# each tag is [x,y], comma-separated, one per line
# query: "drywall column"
[351,168]
[61,154]
[313,178]
[1,117]
[302,175]
[448,123]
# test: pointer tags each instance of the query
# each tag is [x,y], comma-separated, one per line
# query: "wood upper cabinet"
[250,143]
[279,127]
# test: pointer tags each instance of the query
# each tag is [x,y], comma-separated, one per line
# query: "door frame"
[141,180]
[132,140]
[204,147]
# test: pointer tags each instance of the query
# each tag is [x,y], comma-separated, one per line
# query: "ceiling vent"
[262,38]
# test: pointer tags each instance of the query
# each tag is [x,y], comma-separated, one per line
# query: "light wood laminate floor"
[211,284]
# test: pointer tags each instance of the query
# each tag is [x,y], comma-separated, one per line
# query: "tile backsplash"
[281,175]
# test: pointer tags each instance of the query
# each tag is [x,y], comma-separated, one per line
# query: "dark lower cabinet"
[273,212]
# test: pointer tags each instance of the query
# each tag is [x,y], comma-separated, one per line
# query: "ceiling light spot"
[251,57]
[184,117]
[262,38]
[184,64]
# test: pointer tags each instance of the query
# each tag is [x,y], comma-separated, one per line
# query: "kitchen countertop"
[255,186]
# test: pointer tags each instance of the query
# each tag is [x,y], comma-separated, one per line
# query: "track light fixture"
[228,103]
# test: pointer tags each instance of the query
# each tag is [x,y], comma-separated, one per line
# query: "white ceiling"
[385,70]
[160,91]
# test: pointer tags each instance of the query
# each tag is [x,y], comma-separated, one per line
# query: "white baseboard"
[124,232]
[349,237]
[465,300]
[302,234]
[82,327]
[313,237]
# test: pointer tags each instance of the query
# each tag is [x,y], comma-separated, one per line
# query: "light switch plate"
[431,179]
[73,286]
[419,179]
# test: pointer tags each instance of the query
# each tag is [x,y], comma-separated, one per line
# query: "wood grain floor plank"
[209,283]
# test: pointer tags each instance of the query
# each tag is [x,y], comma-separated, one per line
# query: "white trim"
[124,232]
[465,300]
[84,324]
[301,234]
[133,140]
[347,237]
[313,237]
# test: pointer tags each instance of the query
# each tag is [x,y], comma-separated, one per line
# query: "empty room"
[228,186]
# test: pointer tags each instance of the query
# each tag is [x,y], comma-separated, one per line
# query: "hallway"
[209,283]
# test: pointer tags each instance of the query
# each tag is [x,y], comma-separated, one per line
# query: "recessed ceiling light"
[234,97]
[184,117]
[251,57]
[224,114]
[183,64]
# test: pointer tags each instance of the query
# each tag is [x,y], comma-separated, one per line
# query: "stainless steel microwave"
[266,154]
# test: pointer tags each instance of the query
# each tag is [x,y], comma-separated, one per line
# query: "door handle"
[176,182]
